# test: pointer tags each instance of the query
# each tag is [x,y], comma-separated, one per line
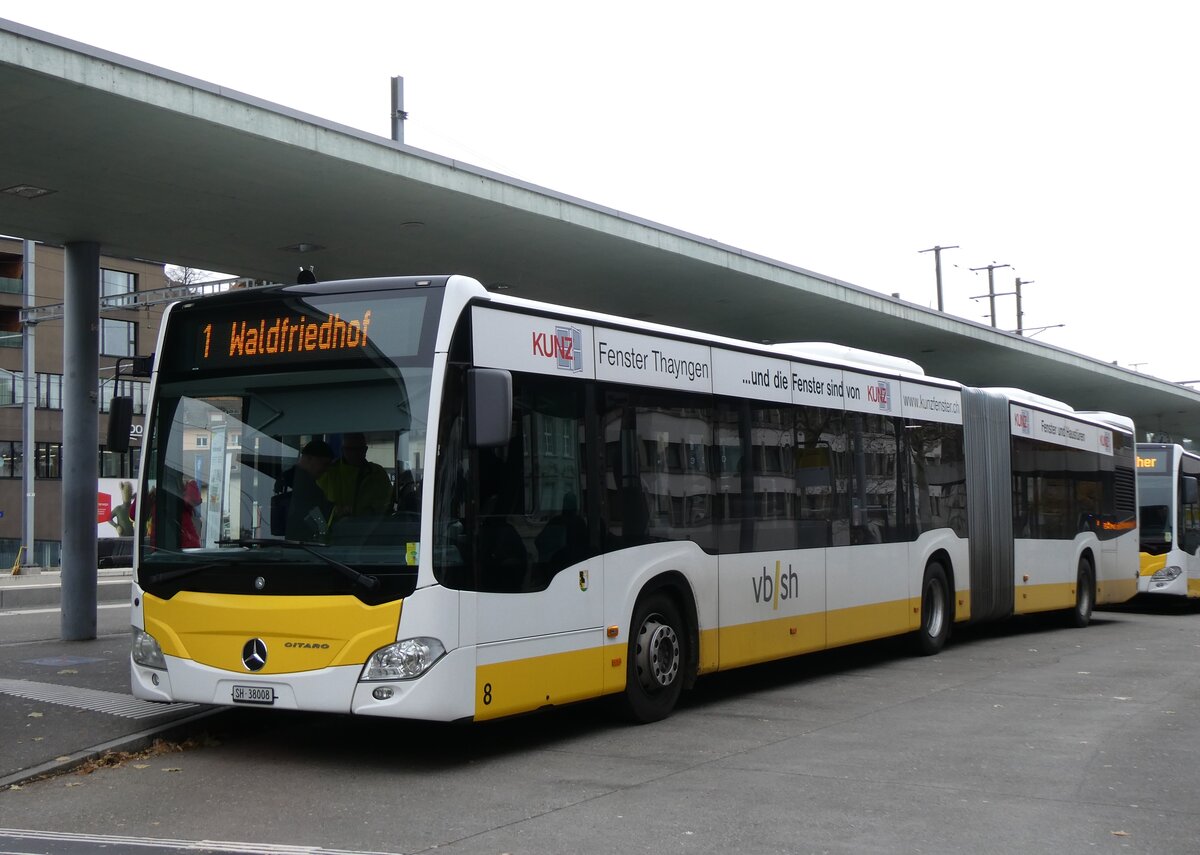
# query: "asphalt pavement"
[1023,736]
[67,703]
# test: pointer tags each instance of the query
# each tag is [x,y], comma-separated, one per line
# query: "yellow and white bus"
[582,505]
[1169,495]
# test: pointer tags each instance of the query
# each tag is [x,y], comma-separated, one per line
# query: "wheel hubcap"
[657,654]
[935,608]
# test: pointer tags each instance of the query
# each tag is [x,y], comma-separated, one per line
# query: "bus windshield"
[1155,500]
[297,475]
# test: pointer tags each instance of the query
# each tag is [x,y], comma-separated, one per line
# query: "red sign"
[103,507]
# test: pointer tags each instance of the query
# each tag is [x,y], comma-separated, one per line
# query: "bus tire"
[654,674]
[935,610]
[1085,595]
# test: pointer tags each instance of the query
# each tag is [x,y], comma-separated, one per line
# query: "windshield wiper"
[368,582]
[179,573]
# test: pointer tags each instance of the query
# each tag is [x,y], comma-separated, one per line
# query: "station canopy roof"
[151,164]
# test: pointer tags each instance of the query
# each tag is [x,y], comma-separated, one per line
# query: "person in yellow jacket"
[356,486]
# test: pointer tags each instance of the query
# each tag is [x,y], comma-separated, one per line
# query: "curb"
[35,594]
[131,742]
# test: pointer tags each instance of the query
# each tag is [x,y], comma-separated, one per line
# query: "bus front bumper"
[444,693]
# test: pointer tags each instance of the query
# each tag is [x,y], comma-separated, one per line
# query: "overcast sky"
[1059,137]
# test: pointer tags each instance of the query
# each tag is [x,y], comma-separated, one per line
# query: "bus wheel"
[654,671]
[935,611]
[1085,595]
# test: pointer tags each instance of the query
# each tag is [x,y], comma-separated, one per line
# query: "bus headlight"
[403,660]
[146,651]
[1167,574]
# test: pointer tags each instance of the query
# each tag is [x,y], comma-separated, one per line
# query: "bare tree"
[190,278]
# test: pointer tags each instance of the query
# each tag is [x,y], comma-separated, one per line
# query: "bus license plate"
[253,695]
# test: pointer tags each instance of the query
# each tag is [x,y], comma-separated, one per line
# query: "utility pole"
[991,294]
[937,266]
[1020,312]
[398,114]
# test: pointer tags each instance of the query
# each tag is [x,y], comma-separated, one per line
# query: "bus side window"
[500,553]
[1189,499]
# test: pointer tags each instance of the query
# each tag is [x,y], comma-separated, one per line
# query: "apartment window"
[201,442]
[118,338]
[136,389]
[10,327]
[49,391]
[118,465]
[11,459]
[11,267]
[117,288]
[49,460]
[12,388]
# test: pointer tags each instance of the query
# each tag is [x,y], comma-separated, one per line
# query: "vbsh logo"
[784,586]
[565,346]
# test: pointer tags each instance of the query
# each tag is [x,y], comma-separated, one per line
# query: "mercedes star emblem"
[254,654]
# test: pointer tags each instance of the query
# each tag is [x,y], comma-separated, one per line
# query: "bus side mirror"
[489,397]
[120,421]
[1191,491]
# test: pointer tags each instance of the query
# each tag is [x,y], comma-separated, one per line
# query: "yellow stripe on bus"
[1044,598]
[1151,564]
[520,685]
[762,641]
[301,633]
[777,638]
[1116,590]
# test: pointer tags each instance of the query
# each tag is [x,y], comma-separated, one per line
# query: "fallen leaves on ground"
[115,759]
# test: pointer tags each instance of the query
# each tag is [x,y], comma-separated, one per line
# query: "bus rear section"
[1065,537]
[1169,499]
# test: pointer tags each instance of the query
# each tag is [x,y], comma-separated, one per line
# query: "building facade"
[127,328]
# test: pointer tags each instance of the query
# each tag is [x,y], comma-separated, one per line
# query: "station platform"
[64,704]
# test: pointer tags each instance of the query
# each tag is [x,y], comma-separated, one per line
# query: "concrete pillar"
[29,381]
[81,464]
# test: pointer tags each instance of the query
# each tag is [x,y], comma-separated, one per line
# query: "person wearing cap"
[309,508]
[356,486]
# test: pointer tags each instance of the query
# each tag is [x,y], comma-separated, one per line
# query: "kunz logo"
[1021,420]
[881,394]
[783,586]
[565,346]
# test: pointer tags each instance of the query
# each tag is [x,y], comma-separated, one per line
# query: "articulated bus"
[581,505]
[1169,494]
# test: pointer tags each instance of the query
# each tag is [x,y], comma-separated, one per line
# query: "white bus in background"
[1169,499]
[584,505]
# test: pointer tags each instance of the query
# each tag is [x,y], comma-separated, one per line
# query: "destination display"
[294,332]
[1156,462]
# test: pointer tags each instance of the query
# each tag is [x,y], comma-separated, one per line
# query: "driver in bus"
[354,485]
[308,507]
